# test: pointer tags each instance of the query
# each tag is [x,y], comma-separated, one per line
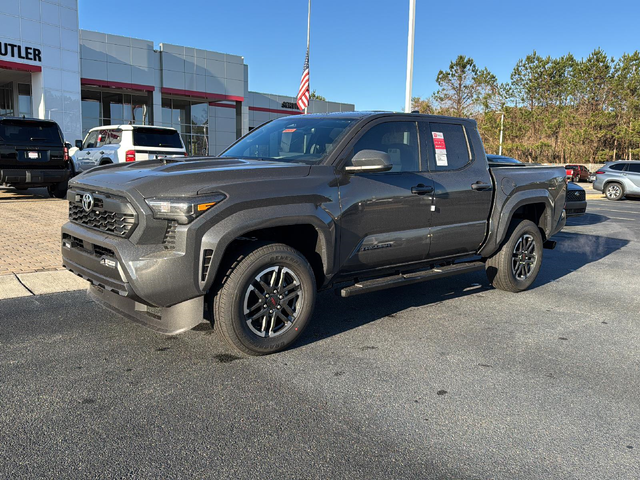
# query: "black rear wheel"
[265,300]
[516,265]
[59,190]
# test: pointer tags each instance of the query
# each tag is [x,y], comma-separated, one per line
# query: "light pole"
[412,28]
[501,132]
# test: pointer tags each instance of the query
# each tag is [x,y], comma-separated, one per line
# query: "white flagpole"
[308,31]
[412,28]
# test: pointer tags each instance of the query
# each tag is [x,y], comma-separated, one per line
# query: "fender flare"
[499,223]
[219,236]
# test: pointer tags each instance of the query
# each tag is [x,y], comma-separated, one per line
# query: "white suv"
[126,143]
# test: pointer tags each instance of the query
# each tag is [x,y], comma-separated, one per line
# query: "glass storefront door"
[9,101]
[6,100]
[191,119]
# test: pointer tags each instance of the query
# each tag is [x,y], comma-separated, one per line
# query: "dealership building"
[51,69]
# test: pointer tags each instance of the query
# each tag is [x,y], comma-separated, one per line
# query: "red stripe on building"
[208,96]
[92,82]
[272,110]
[225,105]
[22,67]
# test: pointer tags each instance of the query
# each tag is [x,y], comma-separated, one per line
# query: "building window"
[112,107]
[191,119]
[6,100]
[24,100]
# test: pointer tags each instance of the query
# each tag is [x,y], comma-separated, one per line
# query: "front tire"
[516,265]
[265,300]
[614,191]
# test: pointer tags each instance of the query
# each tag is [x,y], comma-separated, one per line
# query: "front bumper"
[147,285]
[33,177]
[148,274]
[576,208]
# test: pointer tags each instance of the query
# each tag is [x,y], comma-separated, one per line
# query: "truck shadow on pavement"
[334,315]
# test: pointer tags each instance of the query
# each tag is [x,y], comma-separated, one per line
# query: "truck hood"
[187,177]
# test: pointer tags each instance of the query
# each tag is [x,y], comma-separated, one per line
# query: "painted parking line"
[621,218]
[610,210]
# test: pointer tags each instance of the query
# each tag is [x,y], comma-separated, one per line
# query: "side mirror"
[369,161]
[79,144]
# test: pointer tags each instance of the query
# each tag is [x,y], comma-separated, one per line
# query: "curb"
[39,283]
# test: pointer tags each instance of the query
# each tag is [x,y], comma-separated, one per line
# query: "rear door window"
[618,167]
[449,147]
[26,132]
[156,137]
[634,167]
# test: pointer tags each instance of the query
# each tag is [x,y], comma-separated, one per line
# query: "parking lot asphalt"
[448,379]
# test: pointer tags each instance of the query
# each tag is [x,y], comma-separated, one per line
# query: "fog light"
[66,243]
[107,262]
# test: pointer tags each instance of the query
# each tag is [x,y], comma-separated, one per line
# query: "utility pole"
[412,28]
[501,131]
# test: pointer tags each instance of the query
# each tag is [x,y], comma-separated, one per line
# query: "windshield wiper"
[37,139]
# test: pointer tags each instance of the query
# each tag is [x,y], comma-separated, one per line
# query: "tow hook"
[549,244]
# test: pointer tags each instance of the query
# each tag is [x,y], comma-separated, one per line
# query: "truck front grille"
[110,214]
[575,195]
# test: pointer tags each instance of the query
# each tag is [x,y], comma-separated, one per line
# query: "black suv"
[33,154]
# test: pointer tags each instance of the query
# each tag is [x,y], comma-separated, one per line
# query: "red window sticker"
[289,130]
[441,149]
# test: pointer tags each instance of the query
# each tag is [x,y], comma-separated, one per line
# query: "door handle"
[421,189]
[102,153]
[481,186]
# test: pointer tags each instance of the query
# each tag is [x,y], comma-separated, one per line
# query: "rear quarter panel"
[517,186]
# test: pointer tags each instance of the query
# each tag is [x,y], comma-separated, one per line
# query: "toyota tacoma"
[357,202]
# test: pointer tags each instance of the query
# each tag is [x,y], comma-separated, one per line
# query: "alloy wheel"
[524,258]
[272,301]
[614,191]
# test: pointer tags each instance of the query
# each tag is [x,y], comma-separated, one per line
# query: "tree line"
[556,110]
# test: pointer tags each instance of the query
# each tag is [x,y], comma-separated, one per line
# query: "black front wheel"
[265,300]
[516,265]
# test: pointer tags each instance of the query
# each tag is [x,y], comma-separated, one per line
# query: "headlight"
[182,209]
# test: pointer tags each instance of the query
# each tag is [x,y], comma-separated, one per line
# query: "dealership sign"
[18,51]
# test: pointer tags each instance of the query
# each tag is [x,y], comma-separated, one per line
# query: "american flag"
[303,94]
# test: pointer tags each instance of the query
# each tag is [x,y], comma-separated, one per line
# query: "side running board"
[409,278]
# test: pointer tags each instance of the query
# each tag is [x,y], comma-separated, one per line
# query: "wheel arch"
[537,206]
[311,235]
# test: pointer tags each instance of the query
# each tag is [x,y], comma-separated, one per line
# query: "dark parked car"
[577,173]
[576,200]
[33,154]
[360,202]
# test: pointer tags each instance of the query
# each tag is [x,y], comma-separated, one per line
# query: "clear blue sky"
[358,47]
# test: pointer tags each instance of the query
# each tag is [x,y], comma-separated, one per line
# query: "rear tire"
[266,299]
[516,265]
[59,190]
[614,191]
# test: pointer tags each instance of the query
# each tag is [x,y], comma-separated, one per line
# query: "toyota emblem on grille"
[87,202]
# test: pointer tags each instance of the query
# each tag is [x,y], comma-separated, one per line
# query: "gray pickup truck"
[357,202]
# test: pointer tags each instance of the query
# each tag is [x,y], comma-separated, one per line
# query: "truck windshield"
[306,139]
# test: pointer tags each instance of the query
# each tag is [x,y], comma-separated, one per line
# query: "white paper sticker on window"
[441,149]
